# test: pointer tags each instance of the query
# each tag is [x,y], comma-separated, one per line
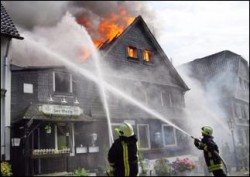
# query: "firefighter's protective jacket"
[208,146]
[123,156]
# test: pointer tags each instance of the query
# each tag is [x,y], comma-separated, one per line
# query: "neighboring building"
[79,136]
[8,31]
[225,78]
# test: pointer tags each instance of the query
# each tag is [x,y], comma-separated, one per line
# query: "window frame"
[169,97]
[54,133]
[71,137]
[70,82]
[135,57]
[163,135]
[150,54]
[148,136]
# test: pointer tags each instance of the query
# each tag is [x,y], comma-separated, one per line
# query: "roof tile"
[7,26]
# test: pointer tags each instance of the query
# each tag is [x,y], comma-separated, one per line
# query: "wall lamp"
[15,141]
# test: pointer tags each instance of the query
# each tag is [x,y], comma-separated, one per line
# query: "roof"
[7,26]
[109,44]
[213,61]
[216,56]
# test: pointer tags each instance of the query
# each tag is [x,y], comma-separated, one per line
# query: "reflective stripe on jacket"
[123,155]
[212,160]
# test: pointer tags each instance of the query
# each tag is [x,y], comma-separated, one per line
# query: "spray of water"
[96,57]
[106,85]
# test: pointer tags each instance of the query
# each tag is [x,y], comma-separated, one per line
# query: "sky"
[195,29]
[186,30]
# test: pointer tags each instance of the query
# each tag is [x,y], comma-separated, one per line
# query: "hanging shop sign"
[61,110]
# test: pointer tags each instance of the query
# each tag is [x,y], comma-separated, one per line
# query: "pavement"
[239,173]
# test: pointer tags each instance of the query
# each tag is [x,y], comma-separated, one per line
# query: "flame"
[109,27]
[84,54]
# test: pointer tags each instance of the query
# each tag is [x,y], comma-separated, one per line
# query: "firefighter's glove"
[201,146]
[110,171]
[196,142]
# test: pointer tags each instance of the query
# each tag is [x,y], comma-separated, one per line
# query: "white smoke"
[202,110]
[65,38]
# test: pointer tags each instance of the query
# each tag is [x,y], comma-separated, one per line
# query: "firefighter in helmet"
[211,151]
[122,155]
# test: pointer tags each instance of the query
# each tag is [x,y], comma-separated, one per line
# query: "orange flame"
[84,54]
[108,28]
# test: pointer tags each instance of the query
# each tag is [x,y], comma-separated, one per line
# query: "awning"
[54,112]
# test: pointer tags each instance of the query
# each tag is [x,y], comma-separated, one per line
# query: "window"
[147,56]
[60,137]
[145,97]
[27,88]
[62,82]
[169,135]
[64,136]
[166,99]
[247,111]
[143,136]
[238,110]
[132,52]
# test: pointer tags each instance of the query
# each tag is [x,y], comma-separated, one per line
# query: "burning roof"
[109,27]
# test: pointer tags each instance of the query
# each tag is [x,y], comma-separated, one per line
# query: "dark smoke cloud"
[29,14]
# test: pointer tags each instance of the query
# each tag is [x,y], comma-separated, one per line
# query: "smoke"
[203,106]
[45,22]
[65,38]
[30,14]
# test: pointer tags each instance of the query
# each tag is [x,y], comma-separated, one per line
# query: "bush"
[162,167]
[6,169]
[181,165]
[80,172]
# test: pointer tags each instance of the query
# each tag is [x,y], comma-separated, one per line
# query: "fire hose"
[216,153]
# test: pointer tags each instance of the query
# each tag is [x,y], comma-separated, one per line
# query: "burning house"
[62,122]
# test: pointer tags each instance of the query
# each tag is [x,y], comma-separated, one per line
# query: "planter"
[184,173]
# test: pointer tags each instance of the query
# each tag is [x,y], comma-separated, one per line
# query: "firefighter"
[123,154]
[211,151]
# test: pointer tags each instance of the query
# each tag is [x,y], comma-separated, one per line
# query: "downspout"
[5,64]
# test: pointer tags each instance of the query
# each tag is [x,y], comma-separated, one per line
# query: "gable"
[159,71]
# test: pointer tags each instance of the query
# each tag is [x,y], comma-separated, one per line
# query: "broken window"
[132,52]
[147,56]
[143,136]
[169,135]
[62,82]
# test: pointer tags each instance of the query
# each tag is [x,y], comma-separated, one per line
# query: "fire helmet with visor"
[125,130]
[206,131]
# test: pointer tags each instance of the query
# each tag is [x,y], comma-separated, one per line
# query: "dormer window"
[132,52]
[147,56]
